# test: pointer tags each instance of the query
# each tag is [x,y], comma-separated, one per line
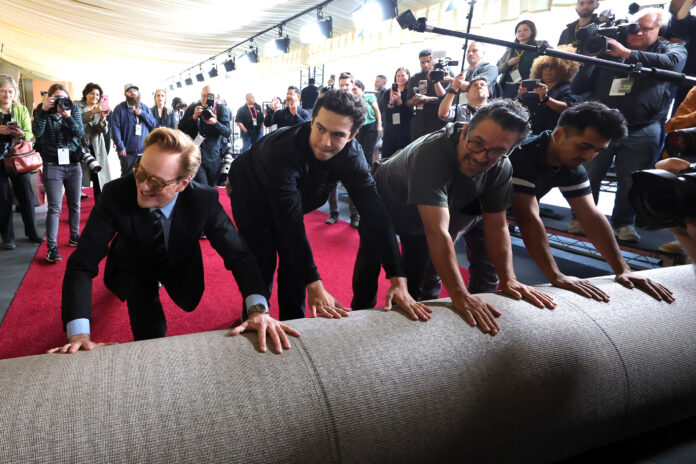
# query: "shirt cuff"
[253,299]
[78,326]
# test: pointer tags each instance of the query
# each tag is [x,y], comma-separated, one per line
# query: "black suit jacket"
[120,228]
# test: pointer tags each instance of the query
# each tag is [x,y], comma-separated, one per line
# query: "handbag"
[22,158]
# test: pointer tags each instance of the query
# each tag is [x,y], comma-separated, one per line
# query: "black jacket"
[280,180]
[167,119]
[568,34]
[119,228]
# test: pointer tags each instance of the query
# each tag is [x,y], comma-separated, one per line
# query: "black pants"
[256,227]
[145,309]
[416,255]
[209,172]
[127,162]
[21,185]
[367,138]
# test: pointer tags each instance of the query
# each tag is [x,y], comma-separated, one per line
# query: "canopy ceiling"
[71,39]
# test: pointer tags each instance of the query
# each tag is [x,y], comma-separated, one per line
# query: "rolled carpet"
[371,388]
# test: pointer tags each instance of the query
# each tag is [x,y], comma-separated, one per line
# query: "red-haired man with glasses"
[149,223]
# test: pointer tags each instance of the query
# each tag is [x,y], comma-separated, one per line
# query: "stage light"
[314,32]
[373,12]
[252,56]
[213,72]
[171,86]
[178,84]
[277,47]
[188,81]
[200,77]
[229,64]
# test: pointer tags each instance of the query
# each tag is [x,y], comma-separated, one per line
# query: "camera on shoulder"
[592,39]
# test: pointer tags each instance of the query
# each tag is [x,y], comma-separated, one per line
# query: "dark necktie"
[160,249]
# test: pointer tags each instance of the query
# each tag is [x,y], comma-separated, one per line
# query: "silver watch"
[257,308]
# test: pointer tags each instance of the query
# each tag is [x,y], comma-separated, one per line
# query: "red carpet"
[33,323]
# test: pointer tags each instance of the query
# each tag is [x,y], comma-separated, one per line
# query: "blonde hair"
[175,141]
[154,96]
[7,79]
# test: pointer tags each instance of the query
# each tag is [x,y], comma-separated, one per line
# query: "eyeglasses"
[156,184]
[492,154]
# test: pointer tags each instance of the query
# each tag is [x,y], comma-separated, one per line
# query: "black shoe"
[333,219]
[52,256]
[73,240]
[9,246]
[355,221]
[36,239]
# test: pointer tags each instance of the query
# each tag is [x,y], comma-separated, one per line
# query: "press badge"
[63,156]
[138,130]
[199,140]
[515,76]
[621,87]
[462,99]
[253,122]
[396,119]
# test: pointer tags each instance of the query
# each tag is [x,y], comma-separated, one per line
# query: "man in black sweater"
[290,173]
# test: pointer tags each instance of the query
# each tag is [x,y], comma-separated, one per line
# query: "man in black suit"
[149,223]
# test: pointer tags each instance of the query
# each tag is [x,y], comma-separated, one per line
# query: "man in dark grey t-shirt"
[554,159]
[456,180]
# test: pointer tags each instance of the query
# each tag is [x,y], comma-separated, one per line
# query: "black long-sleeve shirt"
[282,178]
[284,118]
[648,100]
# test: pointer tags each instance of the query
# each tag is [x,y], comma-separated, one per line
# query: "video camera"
[440,68]
[62,102]
[681,142]
[209,109]
[661,199]
[592,39]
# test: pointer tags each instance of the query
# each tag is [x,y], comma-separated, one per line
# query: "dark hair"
[311,80]
[52,89]
[346,75]
[88,89]
[608,122]
[531,25]
[360,84]
[343,103]
[425,52]
[509,114]
[402,69]
[295,89]
[382,76]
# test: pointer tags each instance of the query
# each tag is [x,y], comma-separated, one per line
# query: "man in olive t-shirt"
[455,180]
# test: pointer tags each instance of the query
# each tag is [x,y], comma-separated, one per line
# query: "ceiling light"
[277,46]
[213,72]
[188,81]
[251,56]
[200,77]
[229,64]
[373,12]
[178,84]
[316,31]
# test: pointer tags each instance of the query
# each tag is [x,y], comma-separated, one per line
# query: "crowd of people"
[426,159]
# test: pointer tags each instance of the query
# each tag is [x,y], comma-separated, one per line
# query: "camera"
[209,109]
[440,69]
[592,39]
[65,103]
[88,159]
[681,142]
[226,163]
[661,199]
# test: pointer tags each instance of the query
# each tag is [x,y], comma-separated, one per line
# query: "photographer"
[15,125]
[178,110]
[585,10]
[58,127]
[94,112]
[550,95]
[420,92]
[207,123]
[397,115]
[476,94]
[644,103]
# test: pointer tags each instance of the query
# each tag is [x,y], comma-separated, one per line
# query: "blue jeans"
[633,153]
[249,139]
[55,177]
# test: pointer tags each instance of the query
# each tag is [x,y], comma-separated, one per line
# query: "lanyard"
[519,55]
[253,113]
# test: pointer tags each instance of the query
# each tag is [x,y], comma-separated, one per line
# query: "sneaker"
[73,240]
[672,247]
[627,234]
[52,256]
[333,219]
[575,228]
[37,239]
[9,246]
[355,221]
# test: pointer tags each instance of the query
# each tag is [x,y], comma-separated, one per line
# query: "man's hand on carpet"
[265,324]
[398,292]
[76,343]
[580,286]
[655,290]
[321,300]
[477,312]
[519,291]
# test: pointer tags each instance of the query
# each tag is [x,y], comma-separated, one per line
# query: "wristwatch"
[451,90]
[257,308]
[545,99]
